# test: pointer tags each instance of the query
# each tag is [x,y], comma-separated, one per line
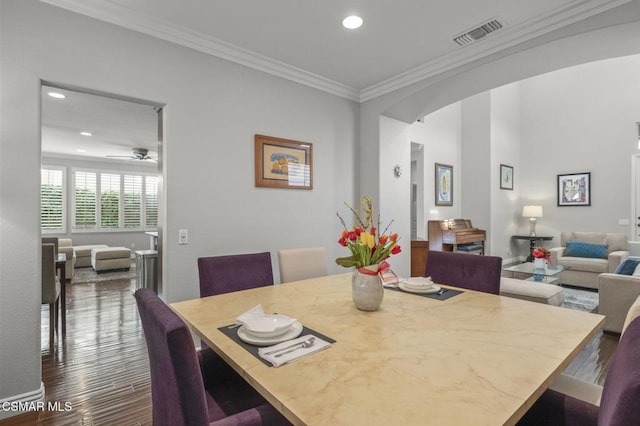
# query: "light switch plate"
[183,236]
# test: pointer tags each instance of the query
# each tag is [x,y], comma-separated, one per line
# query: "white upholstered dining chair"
[302,263]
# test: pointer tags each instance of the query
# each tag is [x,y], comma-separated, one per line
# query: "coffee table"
[547,275]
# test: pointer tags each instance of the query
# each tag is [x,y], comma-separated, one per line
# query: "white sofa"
[65,246]
[83,254]
[584,271]
[617,294]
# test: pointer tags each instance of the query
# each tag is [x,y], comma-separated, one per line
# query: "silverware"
[234,326]
[308,343]
[441,292]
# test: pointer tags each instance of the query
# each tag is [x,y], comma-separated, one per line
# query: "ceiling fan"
[141,154]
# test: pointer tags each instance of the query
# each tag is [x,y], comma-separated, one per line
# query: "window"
[126,201]
[52,212]
[85,200]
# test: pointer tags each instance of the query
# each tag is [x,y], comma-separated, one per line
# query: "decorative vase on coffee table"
[539,263]
[366,286]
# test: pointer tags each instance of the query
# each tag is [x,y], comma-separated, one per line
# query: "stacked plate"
[418,285]
[269,329]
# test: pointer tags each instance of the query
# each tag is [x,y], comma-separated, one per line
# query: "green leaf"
[347,262]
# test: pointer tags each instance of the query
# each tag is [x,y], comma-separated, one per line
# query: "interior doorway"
[106,153]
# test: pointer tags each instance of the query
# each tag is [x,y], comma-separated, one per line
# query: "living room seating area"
[587,255]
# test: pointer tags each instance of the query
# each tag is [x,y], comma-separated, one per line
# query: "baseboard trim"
[9,407]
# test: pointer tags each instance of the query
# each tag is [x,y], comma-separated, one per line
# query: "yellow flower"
[367,239]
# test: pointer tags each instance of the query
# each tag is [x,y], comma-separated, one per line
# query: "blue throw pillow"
[627,267]
[581,249]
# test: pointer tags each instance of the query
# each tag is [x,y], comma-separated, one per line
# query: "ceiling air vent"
[478,32]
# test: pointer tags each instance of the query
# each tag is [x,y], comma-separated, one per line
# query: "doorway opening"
[101,168]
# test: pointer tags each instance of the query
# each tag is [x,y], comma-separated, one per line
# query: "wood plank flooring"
[101,366]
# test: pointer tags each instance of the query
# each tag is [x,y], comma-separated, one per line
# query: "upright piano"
[456,235]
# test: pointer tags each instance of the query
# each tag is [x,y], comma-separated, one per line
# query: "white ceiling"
[116,126]
[401,42]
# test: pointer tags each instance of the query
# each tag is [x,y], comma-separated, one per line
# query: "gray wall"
[213,110]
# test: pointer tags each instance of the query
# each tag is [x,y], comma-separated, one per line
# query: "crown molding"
[123,17]
[509,37]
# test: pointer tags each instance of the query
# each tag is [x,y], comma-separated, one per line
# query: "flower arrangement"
[541,253]
[367,246]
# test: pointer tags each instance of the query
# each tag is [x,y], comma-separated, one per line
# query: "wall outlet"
[183,236]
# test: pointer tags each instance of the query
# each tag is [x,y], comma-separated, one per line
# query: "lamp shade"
[532,211]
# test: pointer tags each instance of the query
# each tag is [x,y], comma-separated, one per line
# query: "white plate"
[429,290]
[417,283]
[293,332]
[270,325]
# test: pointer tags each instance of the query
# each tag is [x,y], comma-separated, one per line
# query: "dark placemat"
[232,333]
[448,293]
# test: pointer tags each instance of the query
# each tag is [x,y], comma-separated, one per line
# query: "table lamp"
[532,212]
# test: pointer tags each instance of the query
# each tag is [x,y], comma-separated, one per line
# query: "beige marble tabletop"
[474,359]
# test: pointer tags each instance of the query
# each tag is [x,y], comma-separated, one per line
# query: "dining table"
[471,358]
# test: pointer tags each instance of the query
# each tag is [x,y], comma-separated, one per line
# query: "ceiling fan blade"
[119,156]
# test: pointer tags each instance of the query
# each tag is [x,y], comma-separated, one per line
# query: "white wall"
[441,136]
[213,110]
[506,149]
[475,151]
[396,150]
[581,119]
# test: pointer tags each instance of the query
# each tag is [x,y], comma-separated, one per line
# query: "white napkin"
[285,357]
[254,314]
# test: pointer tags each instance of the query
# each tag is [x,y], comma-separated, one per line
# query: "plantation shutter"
[132,201]
[109,200]
[151,201]
[51,200]
[85,200]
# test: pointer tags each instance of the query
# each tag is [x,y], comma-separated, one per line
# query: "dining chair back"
[179,375]
[302,263]
[224,274]
[474,272]
[54,241]
[50,288]
[619,399]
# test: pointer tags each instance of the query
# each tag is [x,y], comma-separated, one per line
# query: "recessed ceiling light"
[352,22]
[81,150]
[56,95]
[85,133]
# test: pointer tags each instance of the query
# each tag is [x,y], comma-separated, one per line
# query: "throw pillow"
[627,267]
[582,249]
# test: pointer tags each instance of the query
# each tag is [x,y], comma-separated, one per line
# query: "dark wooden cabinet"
[419,250]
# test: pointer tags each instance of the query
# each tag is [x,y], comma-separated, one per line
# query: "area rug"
[581,300]
[88,275]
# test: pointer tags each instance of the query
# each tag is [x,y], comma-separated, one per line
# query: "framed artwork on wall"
[506,177]
[574,189]
[283,163]
[444,184]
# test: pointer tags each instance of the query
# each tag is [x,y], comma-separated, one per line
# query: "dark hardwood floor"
[101,366]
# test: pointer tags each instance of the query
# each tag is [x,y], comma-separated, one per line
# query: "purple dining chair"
[474,272]
[224,274]
[185,386]
[620,401]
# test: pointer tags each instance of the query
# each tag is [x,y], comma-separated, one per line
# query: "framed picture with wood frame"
[283,163]
[444,184]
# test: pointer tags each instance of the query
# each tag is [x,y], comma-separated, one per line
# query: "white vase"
[539,263]
[367,290]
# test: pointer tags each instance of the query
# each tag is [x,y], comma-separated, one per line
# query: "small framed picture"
[574,189]
[506,177]
[444,185]
[283,163]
